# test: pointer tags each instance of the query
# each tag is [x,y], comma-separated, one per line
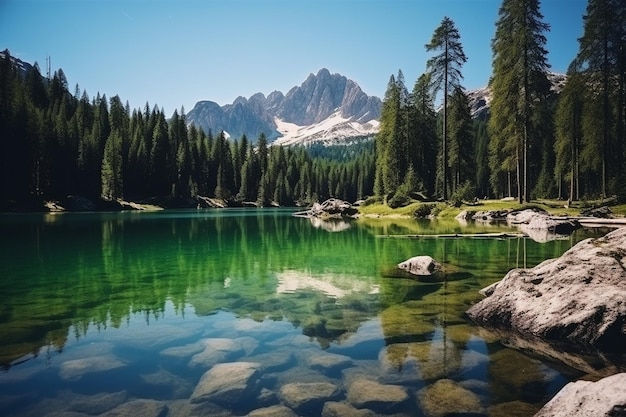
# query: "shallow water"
[119,312]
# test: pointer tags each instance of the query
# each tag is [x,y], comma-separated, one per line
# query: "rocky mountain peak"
[320,97]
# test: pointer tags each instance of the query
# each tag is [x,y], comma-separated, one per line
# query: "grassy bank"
[445,211]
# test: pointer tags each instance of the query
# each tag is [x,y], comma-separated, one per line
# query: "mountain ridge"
[318,101]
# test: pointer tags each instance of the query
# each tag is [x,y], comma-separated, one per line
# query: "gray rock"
[420,265]
[606,397]
[300,394]
[364,393]
[578,298]
[227,383]
[532,221]
[446,397]
[344,409]
[139,408]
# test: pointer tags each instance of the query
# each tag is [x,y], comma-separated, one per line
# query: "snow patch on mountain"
[334,129]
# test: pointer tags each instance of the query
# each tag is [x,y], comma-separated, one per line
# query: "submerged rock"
[273,411]
[606,397]
[139,408]
[577,298]
[344,409]
[446,397]
[75,369]
[303,395]
[420,265]
[227,383]
[364,393]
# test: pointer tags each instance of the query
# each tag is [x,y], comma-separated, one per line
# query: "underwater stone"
[446,397]
[344,409]
[227,383]
[75,369]
[138,408]
[273,411]
[300,394]
[364,393]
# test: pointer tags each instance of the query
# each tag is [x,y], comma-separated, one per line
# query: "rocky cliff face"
[321,97]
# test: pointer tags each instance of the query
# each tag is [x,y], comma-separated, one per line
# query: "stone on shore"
[227,383]
[420,265]
[606,397]
[535,219]
[578,298]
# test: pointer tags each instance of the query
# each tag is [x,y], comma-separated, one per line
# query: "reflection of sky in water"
[331,285]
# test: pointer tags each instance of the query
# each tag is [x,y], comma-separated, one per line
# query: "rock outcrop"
[579,298]
[605,398]
[420,265]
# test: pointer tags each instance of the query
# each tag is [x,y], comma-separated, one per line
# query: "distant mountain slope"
[325,107]
[480,99]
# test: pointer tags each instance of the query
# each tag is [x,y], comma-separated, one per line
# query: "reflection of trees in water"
[95,271]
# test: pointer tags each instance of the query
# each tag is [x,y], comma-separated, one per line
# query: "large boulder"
[605,398]
[420,265]
[579,298]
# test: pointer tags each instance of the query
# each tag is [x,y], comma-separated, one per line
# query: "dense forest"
[536,142]
[57,143]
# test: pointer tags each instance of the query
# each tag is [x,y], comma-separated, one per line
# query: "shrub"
[424,210]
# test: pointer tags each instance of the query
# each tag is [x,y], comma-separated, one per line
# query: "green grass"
[554,207]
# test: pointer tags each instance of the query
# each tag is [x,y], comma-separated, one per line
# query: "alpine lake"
[254,311]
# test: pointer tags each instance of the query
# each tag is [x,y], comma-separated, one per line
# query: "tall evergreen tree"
[519,86]
[602,56]
[445,73]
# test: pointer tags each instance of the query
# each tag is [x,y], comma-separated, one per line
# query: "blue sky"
[175,53]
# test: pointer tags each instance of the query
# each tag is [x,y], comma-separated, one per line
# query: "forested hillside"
[57,143]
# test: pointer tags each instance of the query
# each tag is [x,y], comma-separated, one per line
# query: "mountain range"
[324,107]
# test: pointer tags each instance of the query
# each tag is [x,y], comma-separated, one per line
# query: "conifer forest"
[536,141]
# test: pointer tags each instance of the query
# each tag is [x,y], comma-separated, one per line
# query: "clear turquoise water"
[99,310]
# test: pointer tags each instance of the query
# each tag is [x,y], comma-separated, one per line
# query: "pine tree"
[519,86]
[445,73]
